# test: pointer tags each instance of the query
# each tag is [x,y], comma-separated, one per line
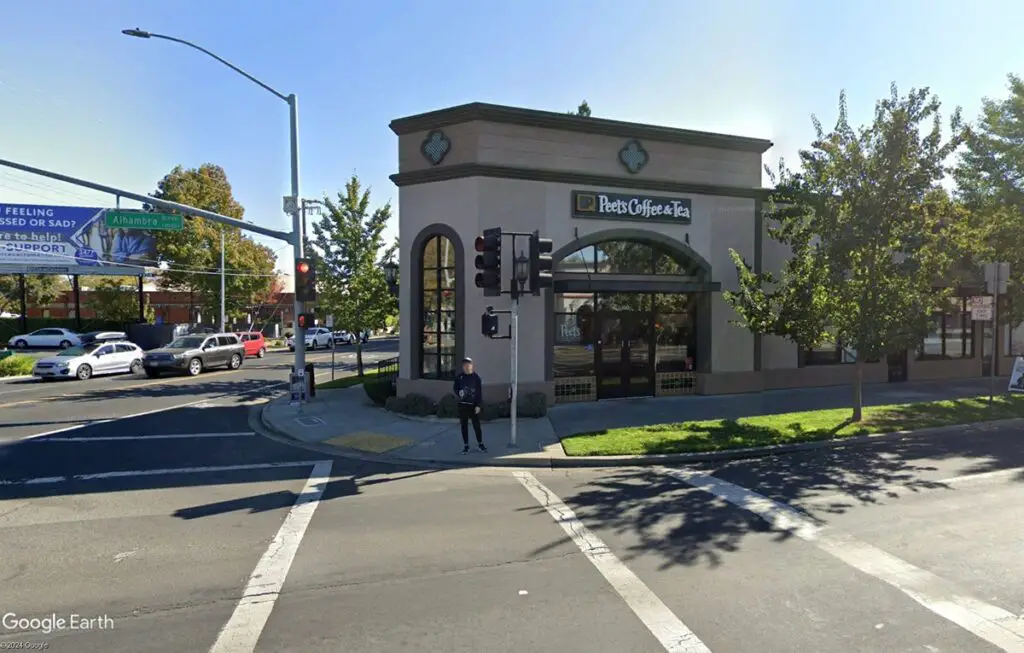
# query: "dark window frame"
[945,321]
[437,313]
[657,251]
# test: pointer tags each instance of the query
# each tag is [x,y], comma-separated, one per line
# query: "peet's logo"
[616,206]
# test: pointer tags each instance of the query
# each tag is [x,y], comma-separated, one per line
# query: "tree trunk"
[359,356]
[858,388]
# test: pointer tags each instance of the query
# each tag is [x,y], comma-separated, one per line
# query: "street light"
[521,269]
[391,276]
[292,203]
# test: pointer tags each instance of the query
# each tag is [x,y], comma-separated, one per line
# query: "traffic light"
[307,320]
[305,280]
[540,262]
[488,261]
[489,323]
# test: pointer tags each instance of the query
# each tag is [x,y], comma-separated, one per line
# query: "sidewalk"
[346,420]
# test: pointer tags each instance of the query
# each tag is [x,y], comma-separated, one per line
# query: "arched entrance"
[631,316]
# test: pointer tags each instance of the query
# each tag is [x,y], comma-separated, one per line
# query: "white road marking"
[892,491]
[672,633]
[188,404]
[102,476]
[170,436]
[995,625]
[242,632]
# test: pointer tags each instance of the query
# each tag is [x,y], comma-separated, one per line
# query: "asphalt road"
[217,539]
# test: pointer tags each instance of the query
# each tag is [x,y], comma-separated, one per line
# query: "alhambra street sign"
[144,221]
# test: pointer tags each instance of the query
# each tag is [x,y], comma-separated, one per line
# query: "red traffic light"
[302,267]
[480,244]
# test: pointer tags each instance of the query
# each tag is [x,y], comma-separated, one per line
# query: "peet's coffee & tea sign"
[616,206]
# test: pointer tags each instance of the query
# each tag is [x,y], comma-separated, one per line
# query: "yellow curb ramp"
[369,442]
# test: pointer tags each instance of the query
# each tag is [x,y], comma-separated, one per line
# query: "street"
[157,506]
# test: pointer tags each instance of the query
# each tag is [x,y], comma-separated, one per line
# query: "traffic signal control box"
[489,324]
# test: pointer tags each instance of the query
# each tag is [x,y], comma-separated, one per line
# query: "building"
[169,307]
[643,219]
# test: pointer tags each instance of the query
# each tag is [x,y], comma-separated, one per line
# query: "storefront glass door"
[624,354]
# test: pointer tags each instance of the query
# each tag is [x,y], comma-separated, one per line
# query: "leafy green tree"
[989,181]
[873,238]
[193,254]
[348,248]
[116,301]
[582,110]
[40,290]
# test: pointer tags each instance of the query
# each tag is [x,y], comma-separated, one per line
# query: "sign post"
[996,277]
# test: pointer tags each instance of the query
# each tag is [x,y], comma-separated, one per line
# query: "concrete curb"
[624,461]
[4,379]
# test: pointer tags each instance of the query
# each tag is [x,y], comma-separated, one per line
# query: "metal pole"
[297,234]
[23,294]
[223,297]
[142,301]
[514,408]
[76,287]
[995,340]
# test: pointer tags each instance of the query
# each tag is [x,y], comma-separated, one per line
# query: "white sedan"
[86,361]
[52,338]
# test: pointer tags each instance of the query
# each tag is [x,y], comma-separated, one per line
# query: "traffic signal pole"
[514,364]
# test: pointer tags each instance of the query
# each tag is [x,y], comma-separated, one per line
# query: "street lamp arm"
[142,34]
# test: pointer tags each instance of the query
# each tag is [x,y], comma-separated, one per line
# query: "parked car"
[102,336]
[195,353]
[83,362]
[255,344]
[319,337]
[62,338]
[350,338]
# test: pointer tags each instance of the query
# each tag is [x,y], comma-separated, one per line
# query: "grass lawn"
[788,428]
[347,381]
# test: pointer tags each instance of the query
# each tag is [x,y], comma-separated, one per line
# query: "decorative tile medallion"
[435,146]
[633,156]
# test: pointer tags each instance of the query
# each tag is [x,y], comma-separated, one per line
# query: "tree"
[193,254]
[874,237]
[583,110]
[117,302]
[990,181]
[347,244]
[40,290]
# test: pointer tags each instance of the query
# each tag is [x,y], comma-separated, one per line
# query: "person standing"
[469,392]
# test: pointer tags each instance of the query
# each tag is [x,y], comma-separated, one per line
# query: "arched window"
[438,318]
[627,257]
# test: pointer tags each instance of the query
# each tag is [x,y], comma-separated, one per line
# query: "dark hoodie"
[469,389]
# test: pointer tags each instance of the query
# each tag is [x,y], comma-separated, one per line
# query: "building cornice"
[479,111]
[465,170]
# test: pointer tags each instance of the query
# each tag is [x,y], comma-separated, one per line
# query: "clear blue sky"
[78,97]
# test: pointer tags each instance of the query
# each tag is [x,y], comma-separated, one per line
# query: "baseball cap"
[467,359]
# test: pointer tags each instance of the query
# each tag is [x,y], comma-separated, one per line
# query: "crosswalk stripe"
[672,633]
[101,476]
[169,436]
[993,624]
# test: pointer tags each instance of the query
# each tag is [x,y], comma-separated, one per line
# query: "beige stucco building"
[642,218]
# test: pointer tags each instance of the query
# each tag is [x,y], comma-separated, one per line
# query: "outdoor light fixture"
[522,269]
[137,33]
[391,272]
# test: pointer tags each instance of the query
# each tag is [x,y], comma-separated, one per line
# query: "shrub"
[17,365]
[379,390]
[412,404]
[533,404]
[448,407]
[491,411]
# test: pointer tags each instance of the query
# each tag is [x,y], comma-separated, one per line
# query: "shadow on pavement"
[659,514]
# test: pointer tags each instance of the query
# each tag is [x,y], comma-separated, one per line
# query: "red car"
[255,344]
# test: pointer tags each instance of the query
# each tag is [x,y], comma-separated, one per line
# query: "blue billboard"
[70,239]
